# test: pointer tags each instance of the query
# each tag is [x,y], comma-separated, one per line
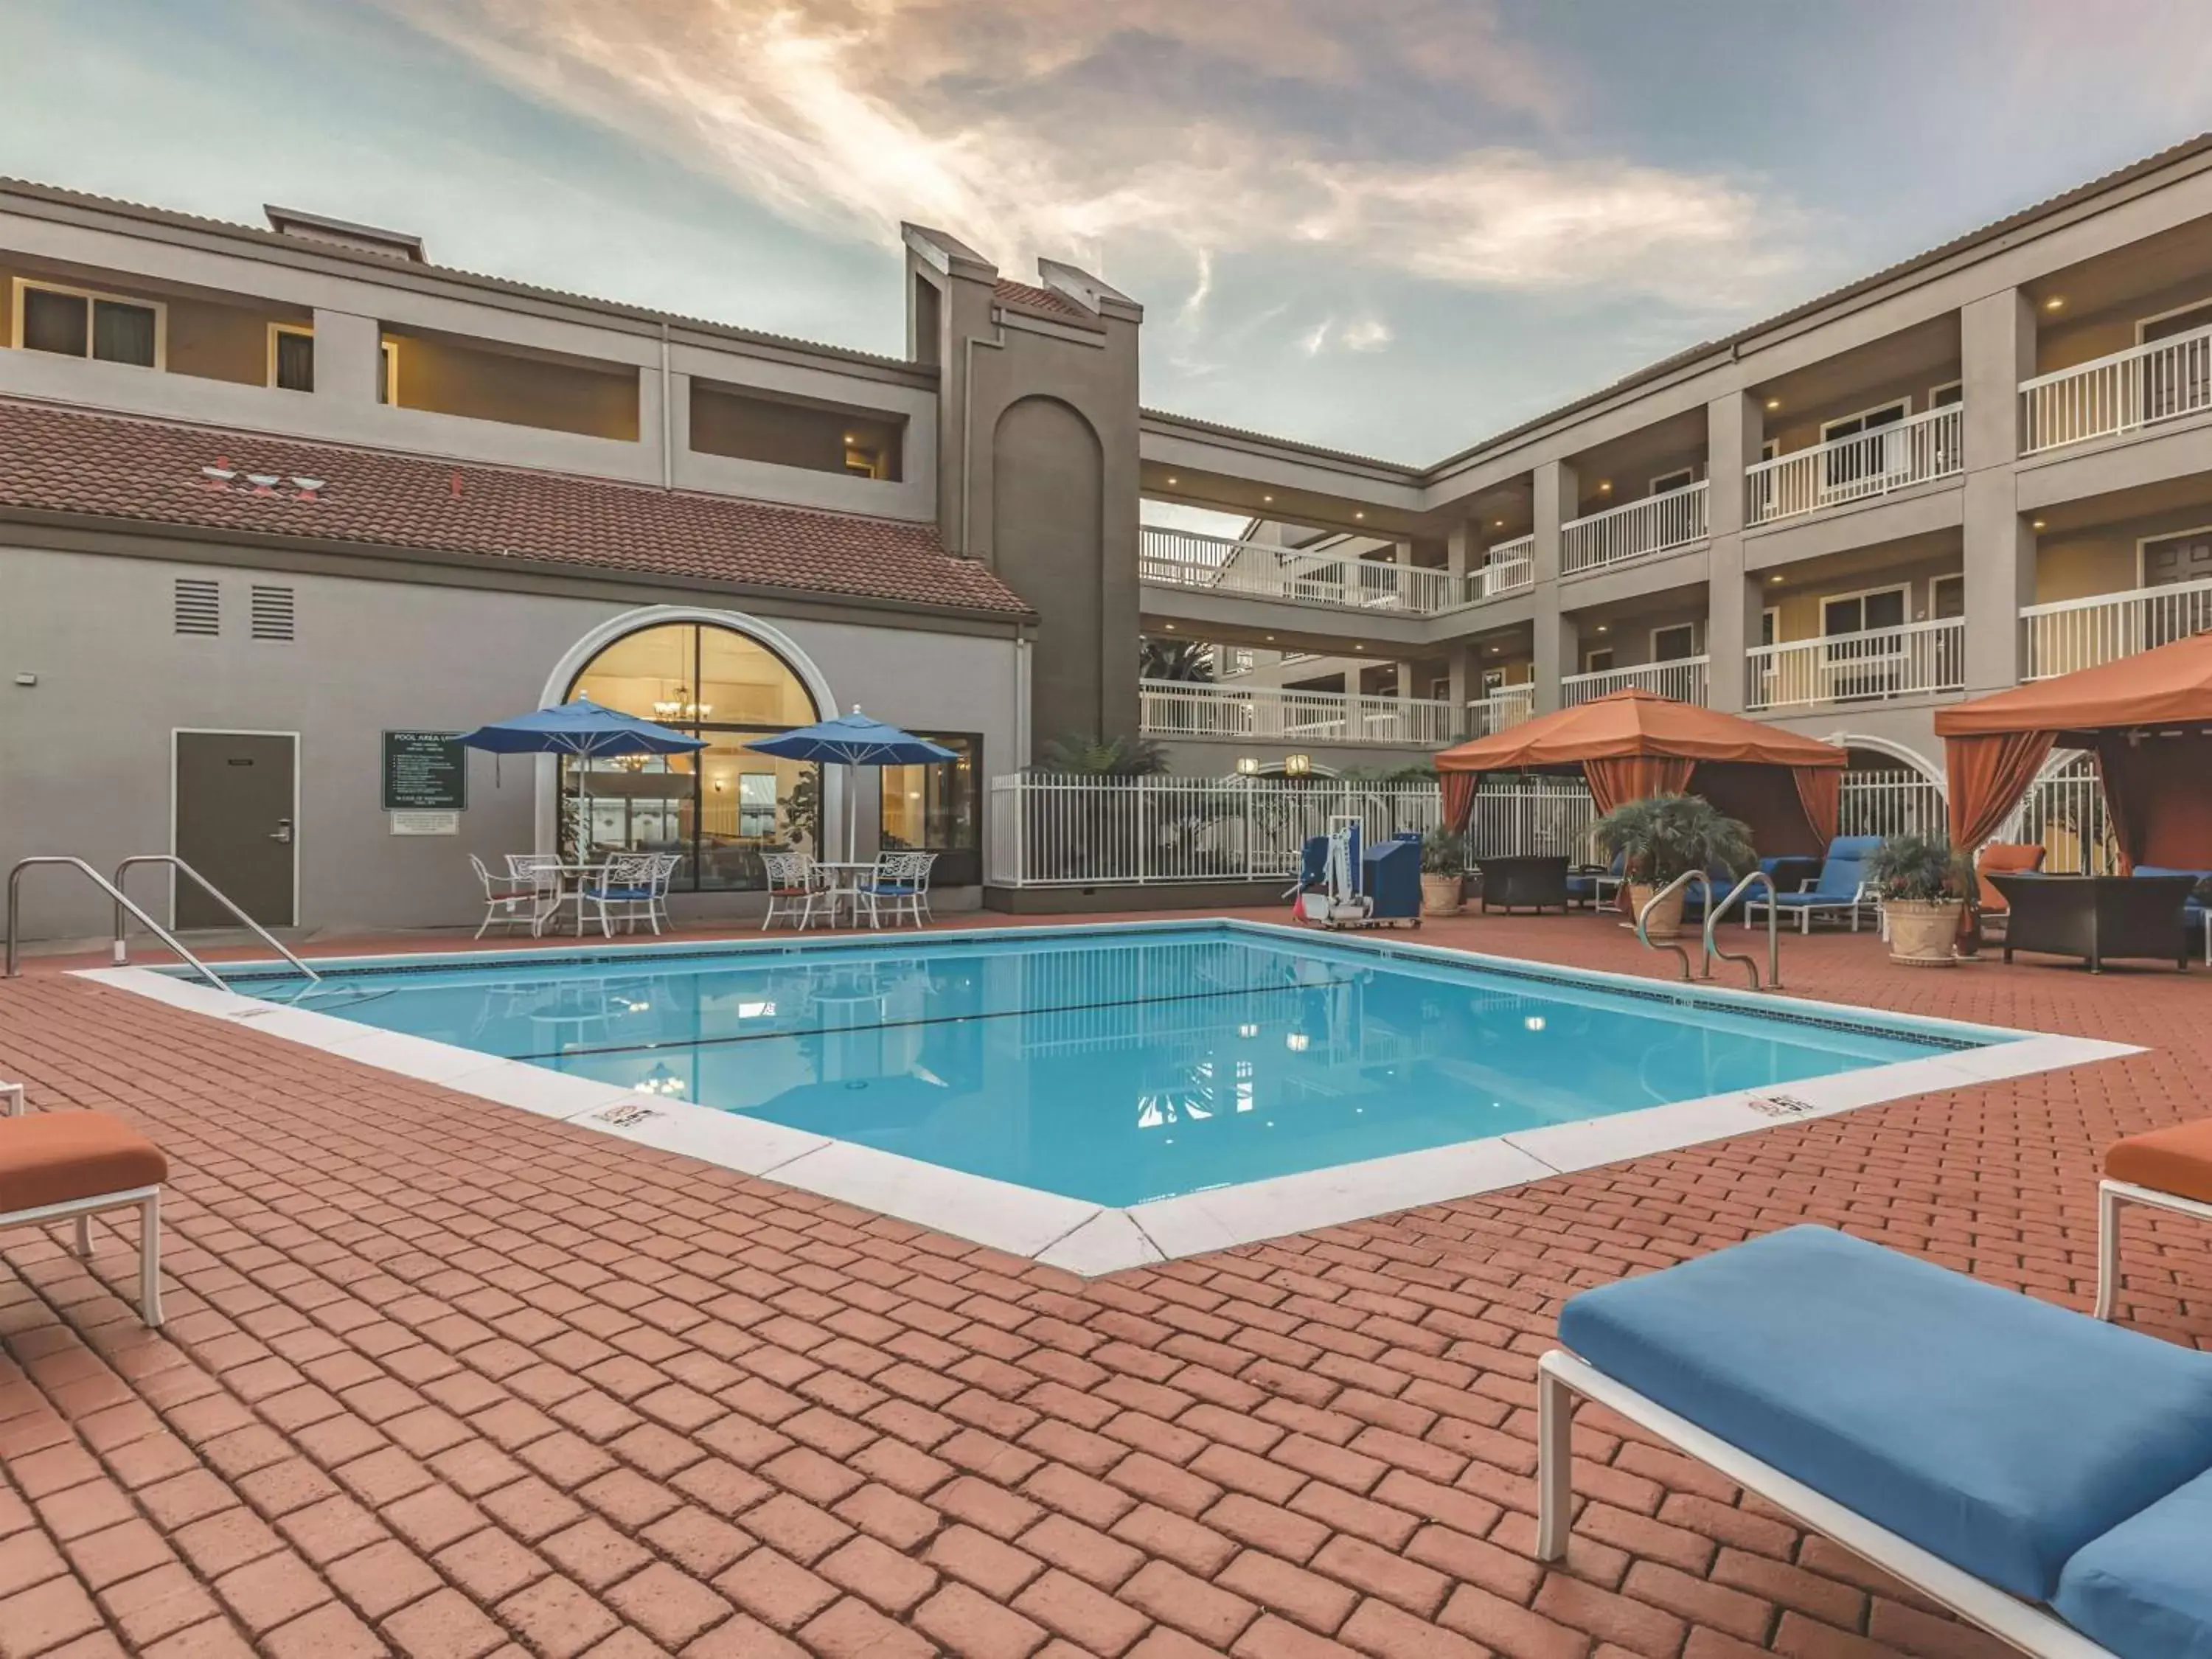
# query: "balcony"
[1912,660]
[1501,708]
[2160,380]
[1175,708]
[1908,451]
[1683,679]
[1511,568]
[1633,530]
[1265,570]
[2073,634]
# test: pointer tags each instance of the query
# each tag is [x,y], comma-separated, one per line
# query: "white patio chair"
[622,889]
[543,871]
[791,878]
[663,876]
[507,899]
[901,880]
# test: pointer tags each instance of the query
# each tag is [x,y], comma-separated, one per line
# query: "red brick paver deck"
[445,1380]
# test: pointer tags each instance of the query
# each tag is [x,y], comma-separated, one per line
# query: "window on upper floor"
[76,322]
[1681,479]
[291,362]
[1598,661]
[1673,644]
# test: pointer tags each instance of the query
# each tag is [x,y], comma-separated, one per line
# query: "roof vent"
[342,232]
[197,606]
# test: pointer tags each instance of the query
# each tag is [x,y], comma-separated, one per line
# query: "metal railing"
[1633,529]
[1715,911]
[1268,570]
[2071,634]
[1500,710]
[1908,451]
[122,905]
[1893,802]
[2064,813]
[1907,661]
[1643,922]
[2160,380]
[122,947]
[1684,679]
[1510,568]
[1178,709]
[1537,815]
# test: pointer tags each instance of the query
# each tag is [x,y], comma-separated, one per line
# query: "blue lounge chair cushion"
[1815,900]
[1997,1432]
[618,892]
[2144,1589]
[890,890]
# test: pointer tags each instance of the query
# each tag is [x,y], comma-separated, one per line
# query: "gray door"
[235,794]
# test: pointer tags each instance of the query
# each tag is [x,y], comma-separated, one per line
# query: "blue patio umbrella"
[584,730]
[855,739]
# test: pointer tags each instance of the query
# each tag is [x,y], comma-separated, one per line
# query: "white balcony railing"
[1264,570]
[1683,679]
[1908,451]
[2138,388]
[1511,567]
[1507,707]
[1634,529]
[1883,662]
[1174,709]
[2073,634]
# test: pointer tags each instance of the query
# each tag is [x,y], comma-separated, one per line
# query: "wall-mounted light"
[1297,766]
[1247,766]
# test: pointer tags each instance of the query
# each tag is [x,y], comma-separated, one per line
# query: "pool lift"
[1344,883]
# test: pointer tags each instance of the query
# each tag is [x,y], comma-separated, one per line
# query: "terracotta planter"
[1442,896]
[1666,922]
[1923,932]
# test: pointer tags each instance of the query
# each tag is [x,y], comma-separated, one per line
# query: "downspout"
[996,343]
[667,415]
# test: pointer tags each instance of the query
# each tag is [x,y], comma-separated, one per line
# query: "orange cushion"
[2005,858]
[52,1157]
[2177,1160]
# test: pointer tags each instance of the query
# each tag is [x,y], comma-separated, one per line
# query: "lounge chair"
[2046,1477]
[1594,884]
[70,1166]
[2196,915]
[2165,1170]
[1839,890]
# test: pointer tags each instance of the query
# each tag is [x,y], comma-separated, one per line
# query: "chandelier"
[679,707]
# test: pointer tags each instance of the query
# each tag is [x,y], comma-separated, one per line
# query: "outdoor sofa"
[1530,879]
[2095,917]
[2044,1475]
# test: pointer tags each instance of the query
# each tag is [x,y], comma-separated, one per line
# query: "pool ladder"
[1713,913]
[124,908]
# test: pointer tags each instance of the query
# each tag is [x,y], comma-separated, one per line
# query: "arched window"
[716,809]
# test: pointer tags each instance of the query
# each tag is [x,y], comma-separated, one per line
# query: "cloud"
[1104,134]
[1368,334]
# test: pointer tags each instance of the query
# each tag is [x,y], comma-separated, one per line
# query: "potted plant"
[1922,881]
[1663,837]
[1444,874]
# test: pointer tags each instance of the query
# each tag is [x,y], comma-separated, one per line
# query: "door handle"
[282,832]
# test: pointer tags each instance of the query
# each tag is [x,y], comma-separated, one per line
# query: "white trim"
[177,731]
[1086,1236]
[1656,659]
[1605,650]
[1890,746]
[1902,405]
[2142,548]
[1946,385]
[2142,322]
[2111,1195]
[159,307]
[1775,611]
[1686,475]
[1862,594]
[387,358]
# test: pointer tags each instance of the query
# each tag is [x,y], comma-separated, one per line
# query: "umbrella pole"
[852,831]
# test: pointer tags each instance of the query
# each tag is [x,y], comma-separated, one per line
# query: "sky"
[1392,227]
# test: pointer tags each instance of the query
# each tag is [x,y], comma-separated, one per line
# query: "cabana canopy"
[1635,743]
[2148,719]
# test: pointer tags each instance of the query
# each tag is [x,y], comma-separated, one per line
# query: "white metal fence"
[2071,634]
[1183,558]
[1908,451]
[2156,382]
[1531,814]
[2065,813]
[1890,802]
[1684,679]
[1885,662]
[1178,709]
[1510,567]
[1634,529]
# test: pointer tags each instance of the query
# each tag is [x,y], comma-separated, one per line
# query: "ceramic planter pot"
[1442,896]
[1666,922]
[1923,932]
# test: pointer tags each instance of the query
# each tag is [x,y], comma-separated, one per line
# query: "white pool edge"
[1090,1239]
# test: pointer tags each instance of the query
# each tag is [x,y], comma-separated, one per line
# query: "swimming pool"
[1104,1095]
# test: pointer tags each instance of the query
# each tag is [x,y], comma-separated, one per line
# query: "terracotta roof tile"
[108,466]
[1010,292]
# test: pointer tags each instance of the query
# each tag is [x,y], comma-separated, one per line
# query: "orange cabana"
[1786,789]
[2148,719]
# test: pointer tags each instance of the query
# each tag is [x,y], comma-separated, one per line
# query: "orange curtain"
[1634,777]
[2158,792]
[2122,782]
[1458,789]
[1989,774]
[1820,792]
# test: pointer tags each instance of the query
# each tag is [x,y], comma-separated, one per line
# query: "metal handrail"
[1643,917]
[15,879]
[1713,913]
[122,953]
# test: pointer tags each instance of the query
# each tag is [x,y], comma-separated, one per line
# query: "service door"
[234,808]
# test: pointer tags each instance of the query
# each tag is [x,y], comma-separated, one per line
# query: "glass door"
[1863,651]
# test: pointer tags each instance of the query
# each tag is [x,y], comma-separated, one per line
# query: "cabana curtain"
[1989,774]
[1634,777]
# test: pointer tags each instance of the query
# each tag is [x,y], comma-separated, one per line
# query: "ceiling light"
[1497,524]
[1171,628]
[1266,498]
[1776,581]
[850,438]
[2037,525]
[1359,515]
[1602,629]
[1270,639]
[1175,480]
[2056,302]
[1774,403]
[1358,647]
[1605,487]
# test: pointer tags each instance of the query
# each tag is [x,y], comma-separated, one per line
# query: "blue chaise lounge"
[2047,1476]
[1838,891]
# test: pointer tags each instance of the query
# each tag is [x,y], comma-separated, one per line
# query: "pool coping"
[1089,1238]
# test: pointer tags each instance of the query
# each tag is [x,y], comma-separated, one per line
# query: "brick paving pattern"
[445,1380]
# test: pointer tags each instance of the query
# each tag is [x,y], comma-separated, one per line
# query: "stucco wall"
[2076,564]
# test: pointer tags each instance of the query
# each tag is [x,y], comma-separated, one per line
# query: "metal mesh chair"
[792,882]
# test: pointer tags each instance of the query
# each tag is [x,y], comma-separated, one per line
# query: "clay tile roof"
[106,467]
[1046,300]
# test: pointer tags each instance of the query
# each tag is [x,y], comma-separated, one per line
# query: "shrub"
[1443,853]
[1924,868]
[1663,837]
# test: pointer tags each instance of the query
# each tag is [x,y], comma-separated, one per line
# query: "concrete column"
[1459,662]
[1461,555]
[347,365]
[1997,338]
[1557,496]
[1735,427]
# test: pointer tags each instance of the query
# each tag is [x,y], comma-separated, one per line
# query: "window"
[2167,560]
[1863,655]
[1863,455]
[291,357]
[718,808]
[74,322]
[387,382]
[1598,662]
[2178,380]
[1681,479]
[1674,644]
[938,809]
[1942,396]
[1770,626]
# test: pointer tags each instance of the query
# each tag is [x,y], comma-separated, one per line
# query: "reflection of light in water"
[660,1081]
[1249,1030]
[756,1009]
[1533,1023]
[1297,1041]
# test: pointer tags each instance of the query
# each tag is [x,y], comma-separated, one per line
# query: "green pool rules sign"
[425,772]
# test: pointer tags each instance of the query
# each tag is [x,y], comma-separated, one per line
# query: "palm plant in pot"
[1662,837]
[1443,873]
[1922,881]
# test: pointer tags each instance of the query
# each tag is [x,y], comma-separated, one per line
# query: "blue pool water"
[1114,1065]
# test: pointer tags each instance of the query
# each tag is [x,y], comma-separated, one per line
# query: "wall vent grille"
[199,606]
[271,613]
